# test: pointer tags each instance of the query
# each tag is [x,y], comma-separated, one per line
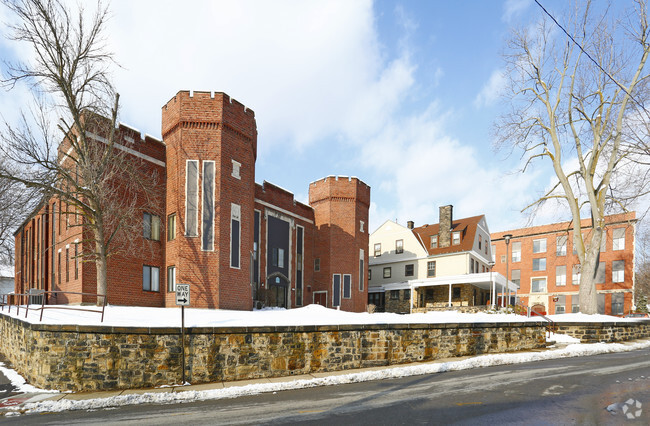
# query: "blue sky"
[402,95]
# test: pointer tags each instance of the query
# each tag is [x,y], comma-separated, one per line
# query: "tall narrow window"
[560,245]
[455,238]
[207,237]
[434,241]
[399,246]
[150,226]
[76,261]
[192,198]
[317,264]
[618,271]
[67,264]
[493,247]
[171,278]
[150,278]
[575,280]
[600,273]
[361,269]
[347,286]
[235,234]
[515,276]
[58,267]
[560,275]
[299,263]
[431,269]
[336,290]
[516,251]
[618,241]
[171,227]
[377,249]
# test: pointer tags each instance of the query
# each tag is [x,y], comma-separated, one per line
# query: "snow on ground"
[123,316]
[17,381]
[572,350]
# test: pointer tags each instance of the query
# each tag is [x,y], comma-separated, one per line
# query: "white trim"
[340,290]
[271,206]
[313,296]
[235,213]
[128,150]
[194,232]
[362,278]
[214,171]
[343,286]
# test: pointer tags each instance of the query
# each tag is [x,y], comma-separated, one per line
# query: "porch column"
[449,294]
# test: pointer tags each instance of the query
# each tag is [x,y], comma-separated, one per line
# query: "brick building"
[544,263]
[234,241]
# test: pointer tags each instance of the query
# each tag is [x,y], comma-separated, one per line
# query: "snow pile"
[128,316]
[572,350]
[18,382]
[561,338]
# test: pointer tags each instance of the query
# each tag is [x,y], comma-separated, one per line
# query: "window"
[369,274]
[515,276]
[486,246]
[76,261]
[407,294]
[431,268]
[494,252]
[575,303]
[362,226]
[408,270]
[618,241]
[434,241]
[336,290]
[399,246]
[377,249]
[560,275]
[236,167]
[387,272]
[151,226]
[618,271]
[560,305]
[299,263]
[516,251]
[394,295]
[600,273]
[538,285]
[503,258]
[539,246]
[471,265]
[361,269]
[150,278]
[58,268]
[278,257]
[235,234]
[480,242]
[67,264]
[171,227]
[455,293]
[192,198]
[455,238]
[618,300]
[560,245]
[347,286]
[576,274]
[317,265]
[207,211]
[171,278]
[539,264]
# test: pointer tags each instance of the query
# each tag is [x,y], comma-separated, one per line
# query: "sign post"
[183,300]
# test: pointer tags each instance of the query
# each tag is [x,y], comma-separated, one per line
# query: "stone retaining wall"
[101,358]
[605,332]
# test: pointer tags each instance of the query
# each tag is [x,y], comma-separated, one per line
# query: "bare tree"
[78,160]
[577,99]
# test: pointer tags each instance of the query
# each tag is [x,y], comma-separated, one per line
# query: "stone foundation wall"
[605,332]
[82,358]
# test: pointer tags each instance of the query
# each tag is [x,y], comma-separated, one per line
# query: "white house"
[433,266]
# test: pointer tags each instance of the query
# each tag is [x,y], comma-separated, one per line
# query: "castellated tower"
[341,207]
[211,142]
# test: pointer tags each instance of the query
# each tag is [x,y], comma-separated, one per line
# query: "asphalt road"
[557,392]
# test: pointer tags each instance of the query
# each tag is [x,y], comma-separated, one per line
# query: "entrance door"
[320,298]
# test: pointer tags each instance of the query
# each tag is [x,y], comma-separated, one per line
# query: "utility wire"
[590,58]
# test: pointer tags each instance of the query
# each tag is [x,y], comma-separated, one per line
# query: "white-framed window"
[409,270]
[399,246]
[387,272]
[618,240]
[336,290]
[362,226]
[207,213]
[618,271]
[377,249]
[434,241]
[192,198]
[347,286]
[455,238]
[431,268]
[515,276]
[150,278]
[171,227]
[539,264]
[494,252]
[235,235]
[171,279]
[277,257]
[560,245]
[236,169]
[538,285]
[539,246]
[516,251]
[575,280]
[560,275]
[361,269]
[151,226]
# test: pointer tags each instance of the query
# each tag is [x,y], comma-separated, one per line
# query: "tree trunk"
[588,267]
[101,265]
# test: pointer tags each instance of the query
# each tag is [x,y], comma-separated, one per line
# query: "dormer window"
[455,238]
[399,246]
[434,241]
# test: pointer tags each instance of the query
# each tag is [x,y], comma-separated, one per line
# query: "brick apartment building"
[236,242]
[543,262]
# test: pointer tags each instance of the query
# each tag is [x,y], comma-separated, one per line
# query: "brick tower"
[211,144]
[341,217]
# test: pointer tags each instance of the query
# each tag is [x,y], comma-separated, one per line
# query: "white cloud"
[514,8]
[491,91]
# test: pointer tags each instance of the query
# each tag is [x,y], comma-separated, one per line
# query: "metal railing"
[41,296]
[551,327]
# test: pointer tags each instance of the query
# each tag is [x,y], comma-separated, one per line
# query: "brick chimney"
[444,232]
[410,224]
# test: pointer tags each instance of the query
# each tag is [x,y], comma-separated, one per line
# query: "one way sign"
[182,294]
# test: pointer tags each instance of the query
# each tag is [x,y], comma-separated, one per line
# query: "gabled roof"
[466,226]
